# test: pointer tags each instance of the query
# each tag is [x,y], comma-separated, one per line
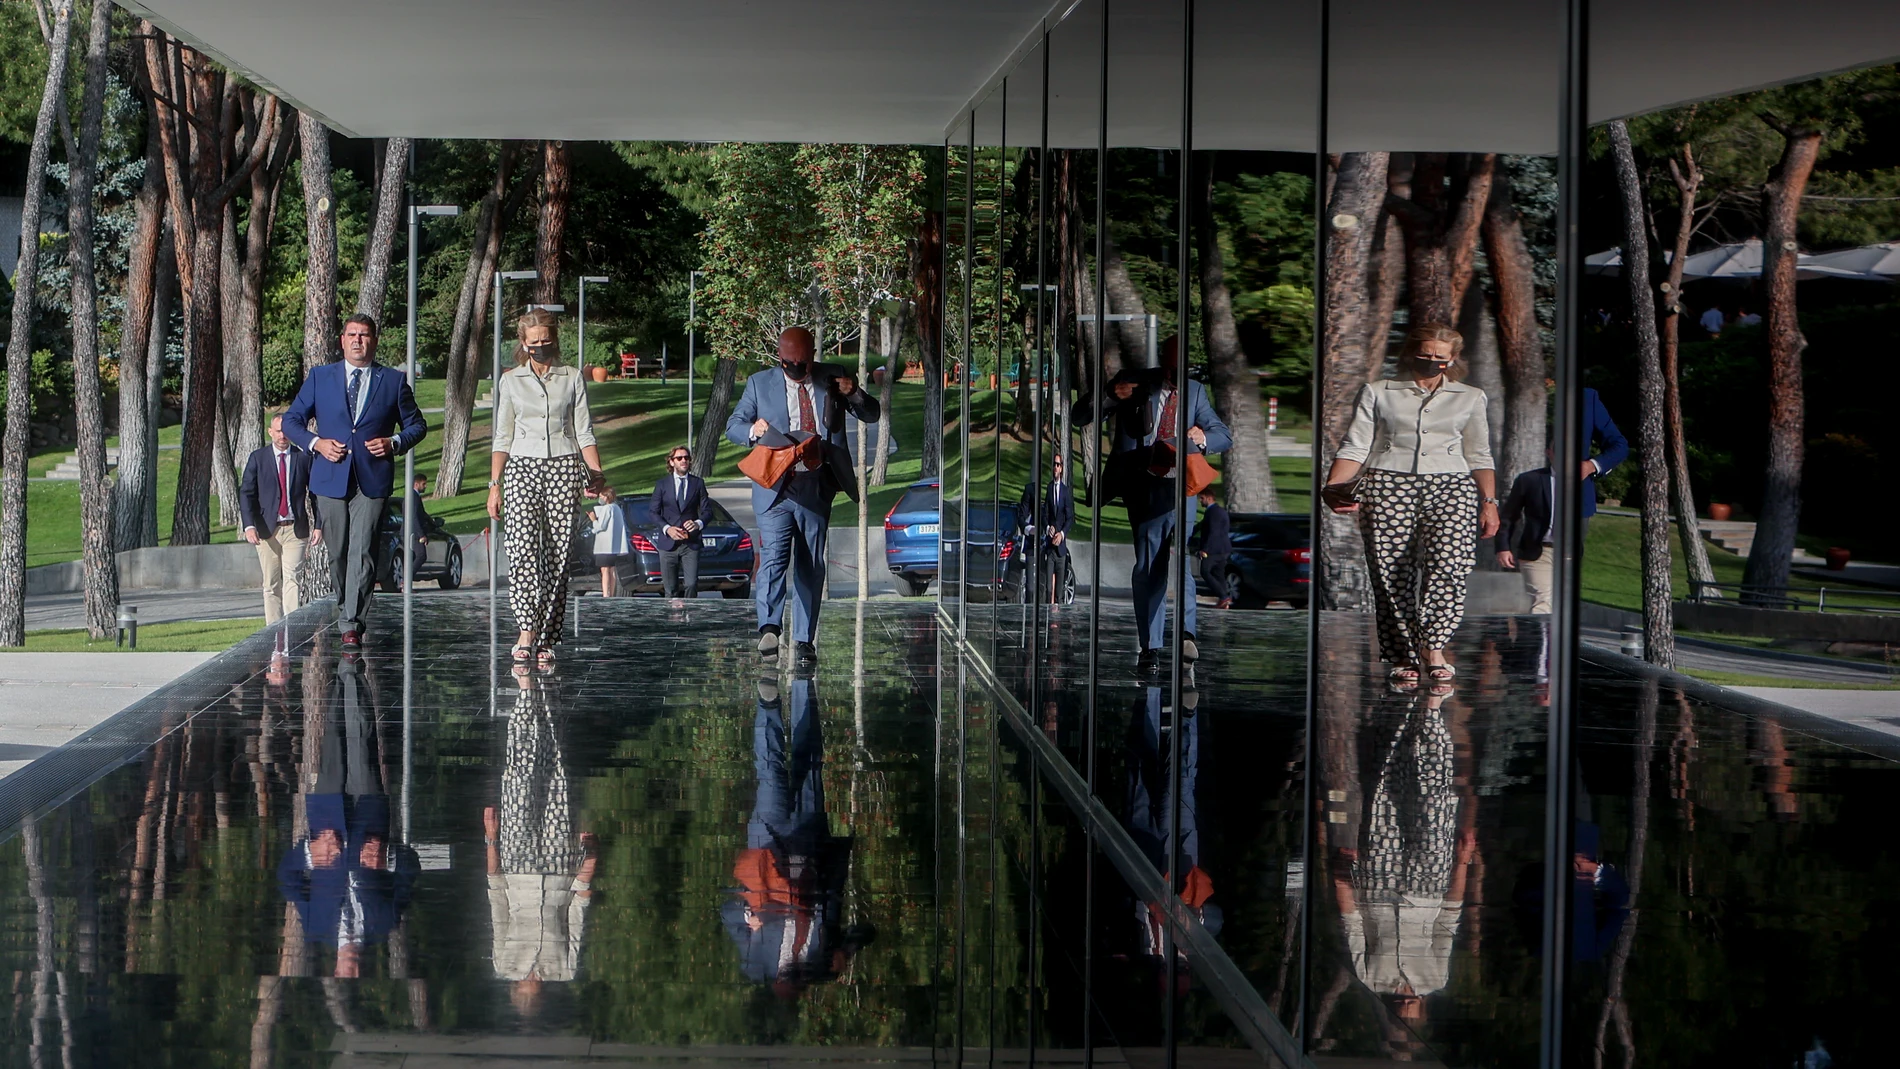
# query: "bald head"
[795,344]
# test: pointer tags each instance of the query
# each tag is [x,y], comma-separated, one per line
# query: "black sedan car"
[727,556]
[438,553]
[995,565]
[1272,559]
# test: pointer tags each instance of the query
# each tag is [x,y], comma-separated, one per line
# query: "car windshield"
[981,521]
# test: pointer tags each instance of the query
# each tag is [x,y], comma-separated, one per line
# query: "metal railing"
[1798,599]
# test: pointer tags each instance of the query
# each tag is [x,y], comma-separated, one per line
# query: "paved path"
[1878,710]
[47,699]
[155,606]
[1742,660]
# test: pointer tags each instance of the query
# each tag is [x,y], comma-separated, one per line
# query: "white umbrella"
[1739,261]
[1873,263]
[1610,262]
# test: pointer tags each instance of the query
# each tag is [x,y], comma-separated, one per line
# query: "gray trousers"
[683,557]
[349,529]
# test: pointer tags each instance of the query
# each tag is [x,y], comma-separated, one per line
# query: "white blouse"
[538,416]
[1398,426]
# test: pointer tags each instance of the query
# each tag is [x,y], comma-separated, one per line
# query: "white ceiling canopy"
[1462,75]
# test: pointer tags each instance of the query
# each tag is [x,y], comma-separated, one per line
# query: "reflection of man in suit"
[1217,547]
[1142,471]
[348,881]
[1524,538]
[783,407]
[1049,519]
[272,499]
[1149,803]
[783,916]
[680,507]
[1599,431]
[366,418]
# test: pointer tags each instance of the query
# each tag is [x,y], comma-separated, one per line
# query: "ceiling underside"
[1467,75]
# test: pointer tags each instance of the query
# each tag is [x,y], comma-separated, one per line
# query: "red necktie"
[1165,432]
[283,489]
[808,420]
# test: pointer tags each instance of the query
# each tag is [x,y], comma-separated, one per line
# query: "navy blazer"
[764,398]
[259,498]
[388,411]
[667,510]
[1056,512]
[1217,538]
[1524,519]
[1599,429]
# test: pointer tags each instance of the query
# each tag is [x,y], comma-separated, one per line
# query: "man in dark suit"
[1142,470]
[782,407]
[1217,546]
[272,502]
[1524,534]
[1049,520]
[681,507]
[366,417]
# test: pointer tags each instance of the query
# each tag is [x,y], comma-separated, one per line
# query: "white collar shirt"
[1399,426]
[793,419]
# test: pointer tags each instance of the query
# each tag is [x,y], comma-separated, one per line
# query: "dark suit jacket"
[1126,474]
[1599,429]
[1525,517]
[665,509]
[1055,512]
[1217,532]
[388,410]
[764,398]
[259,498]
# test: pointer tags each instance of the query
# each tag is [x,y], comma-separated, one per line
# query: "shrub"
[283,372]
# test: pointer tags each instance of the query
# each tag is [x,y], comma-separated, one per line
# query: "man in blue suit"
[782,407]
[1599,431]
[366,417]
[1142,469]
[680,507]
[1048,521]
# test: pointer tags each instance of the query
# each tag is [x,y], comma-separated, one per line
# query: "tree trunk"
[1773,550]
[319,309]
[864,448]
[20,341]
[1352,213]
[892,350]
[1688,179]
[1125,299]
[135,487]
[156,347]
[927,275]
[712,427]
[230,404]
[550,234]
[465,348]
[95,485]
[1659,631]
[267,183]
[1387,275]
[382,235]
[1236,389]
[204,375]
[1441,221]
[1520,343]
[1483,369]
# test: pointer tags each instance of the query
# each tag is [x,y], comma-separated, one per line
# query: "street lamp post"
[494,401]
[416,212]
[692,323]
[581,357]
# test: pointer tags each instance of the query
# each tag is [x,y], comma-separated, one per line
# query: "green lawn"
[1740,679]
[1612,568]
[197,636]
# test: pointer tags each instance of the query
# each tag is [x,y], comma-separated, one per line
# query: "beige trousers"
[1540,578]
[281,554]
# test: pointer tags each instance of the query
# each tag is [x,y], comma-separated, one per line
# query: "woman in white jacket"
[1416,466]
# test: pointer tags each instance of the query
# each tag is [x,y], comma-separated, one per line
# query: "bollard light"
[128,626]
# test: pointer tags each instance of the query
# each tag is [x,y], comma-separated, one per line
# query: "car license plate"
[924,528]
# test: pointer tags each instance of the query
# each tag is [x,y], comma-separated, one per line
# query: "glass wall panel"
[987,537]
[1431,684]
[955,370]
[1023,458]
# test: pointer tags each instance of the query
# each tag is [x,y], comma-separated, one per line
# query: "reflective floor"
[663,849]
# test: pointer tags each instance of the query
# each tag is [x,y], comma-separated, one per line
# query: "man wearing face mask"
[800,400]
[1142,470]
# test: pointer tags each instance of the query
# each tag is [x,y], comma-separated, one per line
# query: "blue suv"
[911,531]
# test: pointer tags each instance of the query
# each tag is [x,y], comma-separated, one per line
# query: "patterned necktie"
[1165,432]
[283,489]
[807,419]
[356,388]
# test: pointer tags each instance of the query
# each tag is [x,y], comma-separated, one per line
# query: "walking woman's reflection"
[540,874]
[348,881]
[784,915]
[1150,799]
[1402,888]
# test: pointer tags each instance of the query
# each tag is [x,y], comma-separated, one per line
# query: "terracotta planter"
[1837,558]
[1719,512]
[598,374]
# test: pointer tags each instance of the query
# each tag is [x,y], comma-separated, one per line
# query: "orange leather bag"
[1200,474]
[766,465]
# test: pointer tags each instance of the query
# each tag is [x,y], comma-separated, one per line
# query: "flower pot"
[598,374]
[1719,512]
[1837,558]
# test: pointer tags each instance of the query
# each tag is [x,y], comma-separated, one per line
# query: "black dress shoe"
[352,640]
[1149,663]
[805,651]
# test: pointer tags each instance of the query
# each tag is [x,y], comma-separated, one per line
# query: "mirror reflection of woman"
[543,455]
[1416,466]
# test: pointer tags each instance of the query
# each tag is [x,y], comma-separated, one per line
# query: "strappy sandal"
[1441,673]
[544,656]
[522,653]
[1403,673]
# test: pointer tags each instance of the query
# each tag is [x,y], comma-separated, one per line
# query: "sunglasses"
[680,456]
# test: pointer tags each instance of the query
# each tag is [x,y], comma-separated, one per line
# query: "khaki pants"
[281,554]
[1540,578]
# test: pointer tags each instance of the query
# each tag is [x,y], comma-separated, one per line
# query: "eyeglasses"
[680,456]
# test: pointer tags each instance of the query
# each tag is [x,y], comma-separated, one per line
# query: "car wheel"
[738,593]
[391,582]
[452,572]
[912,588]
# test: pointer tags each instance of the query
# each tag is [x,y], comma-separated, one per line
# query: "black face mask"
[795,370]
[1437,366]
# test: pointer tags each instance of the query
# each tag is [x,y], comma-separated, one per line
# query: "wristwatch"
[1490,500]
[492,483]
